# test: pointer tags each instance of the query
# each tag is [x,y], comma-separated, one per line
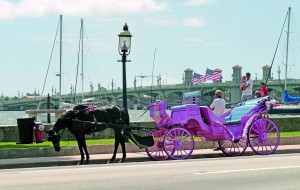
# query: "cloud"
[198,2]
[194,22]
[202,42]
[161,22]
[35,8]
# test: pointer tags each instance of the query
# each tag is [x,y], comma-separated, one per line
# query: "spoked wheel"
[178,143]
[233,148]
[263,136]
[157,152]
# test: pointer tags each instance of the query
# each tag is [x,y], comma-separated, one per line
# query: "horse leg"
[122,141]
[117,141]
[85,149]
[79,142]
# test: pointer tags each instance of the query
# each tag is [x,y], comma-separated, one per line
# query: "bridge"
[139,97]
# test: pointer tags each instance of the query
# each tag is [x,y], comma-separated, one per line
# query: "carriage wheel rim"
[231,148]
[157,152]
[175,141]
[263,136]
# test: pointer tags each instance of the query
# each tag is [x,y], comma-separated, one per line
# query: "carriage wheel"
[234,148]
[263,136]
[178,143]
[157,152]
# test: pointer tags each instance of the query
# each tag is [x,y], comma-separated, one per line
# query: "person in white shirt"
[218,108]
[218,105]
[247,89]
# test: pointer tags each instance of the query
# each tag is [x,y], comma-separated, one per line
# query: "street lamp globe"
[124,40]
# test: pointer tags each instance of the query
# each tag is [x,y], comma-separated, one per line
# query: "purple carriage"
[234,130]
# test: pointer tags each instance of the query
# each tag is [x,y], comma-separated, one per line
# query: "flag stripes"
[214,75]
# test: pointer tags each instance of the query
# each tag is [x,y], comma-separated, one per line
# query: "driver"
[218,105]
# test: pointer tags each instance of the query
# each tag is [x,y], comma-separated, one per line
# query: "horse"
[109,114]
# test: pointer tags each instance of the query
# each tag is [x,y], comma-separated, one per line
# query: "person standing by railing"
[263,89]
[247,88]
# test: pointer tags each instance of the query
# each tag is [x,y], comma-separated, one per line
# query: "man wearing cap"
[218,105]
[247,88]
[218,108]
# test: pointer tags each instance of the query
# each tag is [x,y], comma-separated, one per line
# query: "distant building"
[236,73]
[266,70]
[188,75]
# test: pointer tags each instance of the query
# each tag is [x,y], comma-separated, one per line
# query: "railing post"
[48,107]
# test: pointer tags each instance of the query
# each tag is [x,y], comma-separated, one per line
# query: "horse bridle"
[59,137]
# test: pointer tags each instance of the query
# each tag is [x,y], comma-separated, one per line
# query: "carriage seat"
[208,115]
[159,115]
[238,113]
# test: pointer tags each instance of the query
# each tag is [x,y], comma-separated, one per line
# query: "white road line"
[246,170]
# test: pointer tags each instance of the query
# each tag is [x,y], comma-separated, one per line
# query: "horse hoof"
[86,162]
[80,163]
[122,161]
[110,161]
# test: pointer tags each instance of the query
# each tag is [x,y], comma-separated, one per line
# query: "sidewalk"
[131,157]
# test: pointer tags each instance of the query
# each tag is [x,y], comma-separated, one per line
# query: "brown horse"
[105,114]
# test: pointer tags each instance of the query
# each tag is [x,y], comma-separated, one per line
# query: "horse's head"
[65,121]
[54,137]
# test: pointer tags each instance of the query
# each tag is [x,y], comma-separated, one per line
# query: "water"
[10,117]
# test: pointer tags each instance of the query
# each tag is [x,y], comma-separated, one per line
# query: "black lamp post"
[124,50]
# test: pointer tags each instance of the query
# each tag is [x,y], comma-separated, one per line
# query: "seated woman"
[218,105]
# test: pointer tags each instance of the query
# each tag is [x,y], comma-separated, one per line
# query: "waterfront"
[10,117]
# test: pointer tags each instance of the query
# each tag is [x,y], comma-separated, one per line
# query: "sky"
[168,37]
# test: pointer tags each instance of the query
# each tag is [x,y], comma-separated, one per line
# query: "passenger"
[218,105]
[256,94]
[247,89]
[263,89]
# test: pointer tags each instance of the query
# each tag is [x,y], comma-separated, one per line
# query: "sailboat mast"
[82,58]
[60,56]
[287,49]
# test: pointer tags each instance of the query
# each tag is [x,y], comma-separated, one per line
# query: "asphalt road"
[247,172]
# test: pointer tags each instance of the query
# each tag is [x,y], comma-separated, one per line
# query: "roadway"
[281,171]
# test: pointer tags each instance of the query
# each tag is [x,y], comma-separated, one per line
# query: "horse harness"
[92,125]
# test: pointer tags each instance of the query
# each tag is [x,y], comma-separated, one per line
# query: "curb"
[132,157]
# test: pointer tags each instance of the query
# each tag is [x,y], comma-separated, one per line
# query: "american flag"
[197,78]
[214,75]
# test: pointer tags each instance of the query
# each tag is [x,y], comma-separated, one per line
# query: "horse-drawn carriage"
[173,137]
[244,124]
